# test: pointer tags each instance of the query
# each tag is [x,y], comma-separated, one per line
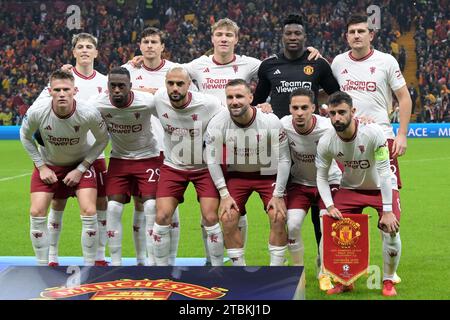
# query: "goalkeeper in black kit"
[288,70]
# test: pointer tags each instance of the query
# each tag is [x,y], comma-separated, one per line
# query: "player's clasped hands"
[73,178]
[47,175]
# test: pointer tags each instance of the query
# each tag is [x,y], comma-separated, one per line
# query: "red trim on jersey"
[222,64]
[92,76]
[354,135]
[186,104]
[314,119]
[130,101]
[163,62]
[249,123]
[70,114]
[367,56]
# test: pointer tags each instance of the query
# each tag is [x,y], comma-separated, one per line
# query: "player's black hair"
[302,92]
[358,18]
[120,70]
[152,31]
[293,19]
[340,97]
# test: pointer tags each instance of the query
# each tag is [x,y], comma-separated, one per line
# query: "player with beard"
[184,116]
[366,180]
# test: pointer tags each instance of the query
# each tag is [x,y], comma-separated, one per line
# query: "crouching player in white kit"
[366,181]
[63,167]
[135,156]
[304,129]
[257,159]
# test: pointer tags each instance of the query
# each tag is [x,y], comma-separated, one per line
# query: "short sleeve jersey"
[370,81]
[211,77]
[129,127]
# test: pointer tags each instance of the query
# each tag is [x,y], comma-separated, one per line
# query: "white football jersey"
[356,155]
[85,88]
[145,77]
[303,148]
[211,76]
[370,81]
[65,138]
[250,148]
[184,128]
[129,127]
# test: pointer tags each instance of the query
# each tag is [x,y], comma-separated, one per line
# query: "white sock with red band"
[39,239]
[54,225]
[114,231]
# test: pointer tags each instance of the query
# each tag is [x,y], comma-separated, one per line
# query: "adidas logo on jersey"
[48,127]
[344,71]
[206,70]
[165,115]
[277,71]
[340,154]
[139,78]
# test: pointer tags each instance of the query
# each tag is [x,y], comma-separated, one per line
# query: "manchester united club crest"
[194,117]
[76,128]
[361,148]
[235,68]
[308,70]
[372,70]
[345,233]
[137,115]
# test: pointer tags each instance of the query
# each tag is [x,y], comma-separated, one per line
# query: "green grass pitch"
[425,224]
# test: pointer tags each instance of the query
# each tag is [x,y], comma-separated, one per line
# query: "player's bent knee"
[88,211]
[38,212]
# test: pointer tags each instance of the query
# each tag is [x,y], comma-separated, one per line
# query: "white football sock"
[39,239]
[114,231]
[102,237]
[54,225]
[174,237]
[277,254]
[392,249]
[243,227]
[139,237]
[205,245]
[89,238]
[295,219]
[215,244]
[150,216]
[161,244]
[236,256]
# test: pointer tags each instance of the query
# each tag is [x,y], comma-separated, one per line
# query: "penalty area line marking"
[15,177]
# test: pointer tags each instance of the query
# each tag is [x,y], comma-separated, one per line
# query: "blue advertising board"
[416,130]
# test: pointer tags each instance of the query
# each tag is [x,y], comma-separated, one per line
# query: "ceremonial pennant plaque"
[346,247]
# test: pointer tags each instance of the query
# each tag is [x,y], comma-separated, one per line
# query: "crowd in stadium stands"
[433,61]
[36,40]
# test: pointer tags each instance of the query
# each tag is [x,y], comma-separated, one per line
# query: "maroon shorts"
[59,189]
[135,177]
[100,170]
[354,201]
[242,184]
[173,183]
[394,163]
[303,197]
